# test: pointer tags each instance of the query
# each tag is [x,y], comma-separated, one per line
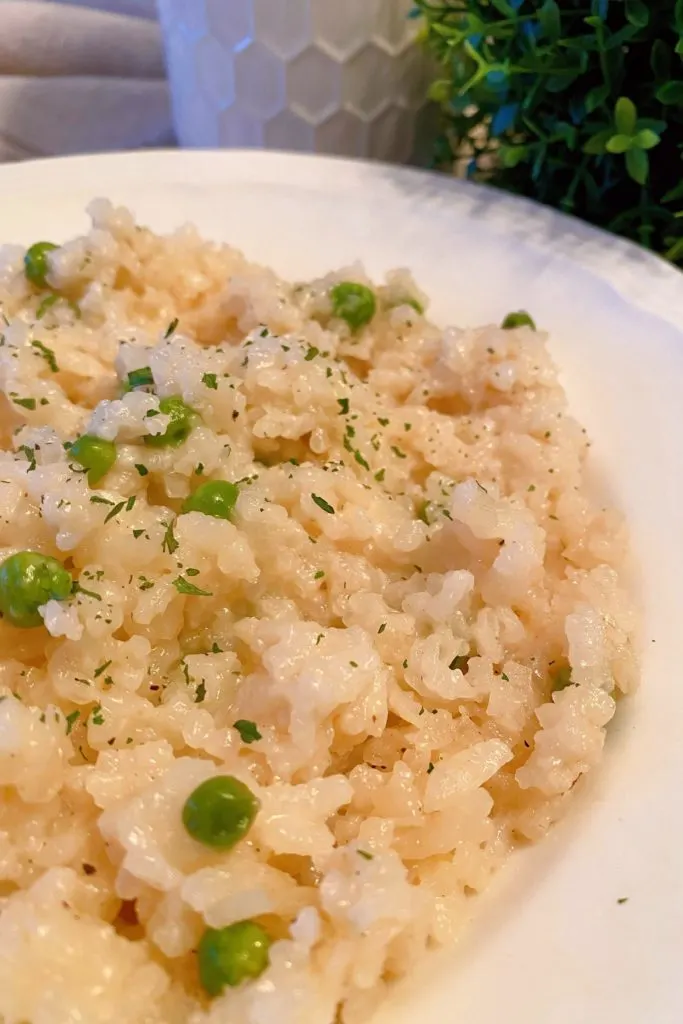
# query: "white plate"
[551,944]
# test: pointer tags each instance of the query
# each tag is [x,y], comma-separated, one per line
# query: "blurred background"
[82,76]
[311,75]
[577,104]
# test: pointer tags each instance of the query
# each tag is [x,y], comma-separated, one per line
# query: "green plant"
[578,105]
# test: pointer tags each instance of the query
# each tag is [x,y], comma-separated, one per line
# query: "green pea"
[214,498]
[94,454]
[354,303]
[519,319]
[220,812]
[36,264]
[182,419]
[228,956]
[27,581]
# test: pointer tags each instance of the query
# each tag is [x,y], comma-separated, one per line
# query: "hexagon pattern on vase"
[329,76]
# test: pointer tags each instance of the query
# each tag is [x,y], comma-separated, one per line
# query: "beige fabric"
[78,77]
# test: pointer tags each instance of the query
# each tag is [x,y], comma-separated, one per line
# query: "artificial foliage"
[576,104]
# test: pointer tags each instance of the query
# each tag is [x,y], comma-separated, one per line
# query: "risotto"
[308,621]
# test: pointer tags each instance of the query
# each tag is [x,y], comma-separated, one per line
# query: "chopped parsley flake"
[379,475]
[460,661]
[141,378]
[210,380]
[76,588]
[47,354]
[30,455]
[382,627]
[398,453]
[343,404]
[169,543]
[114,511]
[171,328]
[71,720]
[183,586]
[247,730]
[97,716]
[311,353]
[142,470]
[505,677]
[25,403]
[200,693]
[324,505]
[102,668]
[46,304]
[137,533]
[383,422]
[364,854]
[430,769]
[319,575]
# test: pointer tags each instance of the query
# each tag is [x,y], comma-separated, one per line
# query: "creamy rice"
[413,568]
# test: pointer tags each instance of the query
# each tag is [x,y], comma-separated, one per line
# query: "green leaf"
[671,93]
[650,122]
[596,97]
[619,144]
[637,13]
[506,9]
[598,142]
[550,20]
[673,194]
[439,91]
[678,16]
[675,252]
[638,165]
[564,132]
[560,83]
[646,139]
[625,116]
[511,156]
[660,60]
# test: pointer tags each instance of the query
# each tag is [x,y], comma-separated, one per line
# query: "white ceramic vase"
[328,76]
